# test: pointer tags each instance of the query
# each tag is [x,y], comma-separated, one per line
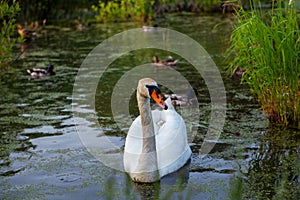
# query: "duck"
[169,62]
[26,33]
[181,100]
[177,100]
[238,73]
[80,26]
[229,7]
[37,73]
[156,143]
[32,30]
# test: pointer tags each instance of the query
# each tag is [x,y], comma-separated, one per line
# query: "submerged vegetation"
[267,45]
[277,165]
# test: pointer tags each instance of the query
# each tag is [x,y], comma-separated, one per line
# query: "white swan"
[156,144]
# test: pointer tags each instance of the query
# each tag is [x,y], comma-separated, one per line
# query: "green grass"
[266,44]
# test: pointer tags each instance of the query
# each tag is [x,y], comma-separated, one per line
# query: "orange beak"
[158,99]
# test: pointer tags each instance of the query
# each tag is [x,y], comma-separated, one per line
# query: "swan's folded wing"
[171,142]
[133,145]
[134,137]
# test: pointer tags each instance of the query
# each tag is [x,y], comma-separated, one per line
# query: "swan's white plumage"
[172,148]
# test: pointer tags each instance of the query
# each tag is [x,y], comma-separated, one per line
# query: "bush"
[266,44]
[7,30]
[118,10]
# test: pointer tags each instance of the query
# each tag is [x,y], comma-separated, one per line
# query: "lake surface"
[43,157]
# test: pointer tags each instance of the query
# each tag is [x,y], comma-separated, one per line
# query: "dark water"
[42,156]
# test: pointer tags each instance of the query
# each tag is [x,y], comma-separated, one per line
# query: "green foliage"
[266,44]
[7,29]
[116,10]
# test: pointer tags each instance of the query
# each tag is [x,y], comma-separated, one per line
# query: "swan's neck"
[147,168]
[147,124]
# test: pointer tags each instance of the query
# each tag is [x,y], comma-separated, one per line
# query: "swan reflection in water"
[170,185]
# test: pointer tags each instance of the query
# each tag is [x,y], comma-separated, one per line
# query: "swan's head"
[148,88]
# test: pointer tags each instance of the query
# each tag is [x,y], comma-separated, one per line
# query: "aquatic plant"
[8,12]
[266,44]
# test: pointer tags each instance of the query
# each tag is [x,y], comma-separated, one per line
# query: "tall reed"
[266,44]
